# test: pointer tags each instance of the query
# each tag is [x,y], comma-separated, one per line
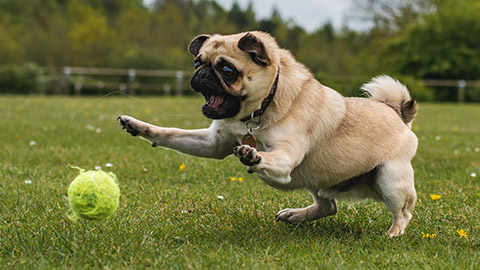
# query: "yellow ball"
[93,195]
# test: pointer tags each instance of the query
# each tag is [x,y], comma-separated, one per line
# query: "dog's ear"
[197,43]
[255,48]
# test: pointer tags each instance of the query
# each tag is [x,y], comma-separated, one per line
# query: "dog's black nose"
[206,73]
[203,76]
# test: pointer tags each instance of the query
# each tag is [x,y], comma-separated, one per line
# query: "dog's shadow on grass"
[323,229]
[261,232]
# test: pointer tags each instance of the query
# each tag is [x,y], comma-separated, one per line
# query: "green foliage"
[138,58]
[124,33]
[417,89]
[10,51]
[19,79]
[445,44]
[473,94]
[421,39]
[89,39]
[244,19]
[172,218]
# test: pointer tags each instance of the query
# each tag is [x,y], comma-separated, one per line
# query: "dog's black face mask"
[219,103]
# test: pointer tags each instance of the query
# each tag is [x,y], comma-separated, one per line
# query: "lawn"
[182,212]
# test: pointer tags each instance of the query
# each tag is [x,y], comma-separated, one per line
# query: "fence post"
[63,83]
[179,85]
[78,88]
[461,90]
[132,73]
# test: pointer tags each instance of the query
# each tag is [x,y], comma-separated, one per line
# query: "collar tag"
[249,139]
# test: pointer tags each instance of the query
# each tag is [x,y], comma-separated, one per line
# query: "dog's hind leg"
[320,208]
[395,186]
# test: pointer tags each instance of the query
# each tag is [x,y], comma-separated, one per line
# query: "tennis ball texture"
[93,195]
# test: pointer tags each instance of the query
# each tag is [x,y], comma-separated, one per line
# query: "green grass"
[172,218]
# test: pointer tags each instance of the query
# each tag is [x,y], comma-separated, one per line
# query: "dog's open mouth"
[215,101]
[219,106]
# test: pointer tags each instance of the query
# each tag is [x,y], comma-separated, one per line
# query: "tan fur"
[310,136]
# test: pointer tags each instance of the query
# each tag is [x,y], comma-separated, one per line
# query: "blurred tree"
[391,16]
[10,49]
[419,38]
[443,45]
[271,24]
[92,41]
[133,28]
[244,19]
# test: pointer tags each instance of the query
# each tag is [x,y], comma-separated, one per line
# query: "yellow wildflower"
[435,197]
[462,233]
[233,178]
[427,235]
[182,167]
[240,179]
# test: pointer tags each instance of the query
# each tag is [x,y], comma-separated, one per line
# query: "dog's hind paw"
[321,208]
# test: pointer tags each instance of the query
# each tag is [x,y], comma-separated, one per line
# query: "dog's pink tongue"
[215,101]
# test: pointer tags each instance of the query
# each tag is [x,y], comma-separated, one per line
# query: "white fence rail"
[127,80]
[133,81]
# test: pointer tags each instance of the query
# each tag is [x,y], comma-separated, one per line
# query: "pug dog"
[295,133]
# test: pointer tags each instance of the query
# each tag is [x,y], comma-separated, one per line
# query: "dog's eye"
[227,71]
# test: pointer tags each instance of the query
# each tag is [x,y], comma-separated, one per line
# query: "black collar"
[265,102]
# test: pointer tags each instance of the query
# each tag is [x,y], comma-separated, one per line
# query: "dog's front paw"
[248,155]
[132,125]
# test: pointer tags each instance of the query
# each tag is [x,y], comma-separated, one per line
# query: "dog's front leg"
[274,166]
[209,143]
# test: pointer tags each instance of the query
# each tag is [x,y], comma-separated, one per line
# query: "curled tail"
[394,94]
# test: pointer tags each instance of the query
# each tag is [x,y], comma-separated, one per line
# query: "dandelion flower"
[233,178]
[428,235]
[182,167]
[435,197]
[240,179]
[462,233]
